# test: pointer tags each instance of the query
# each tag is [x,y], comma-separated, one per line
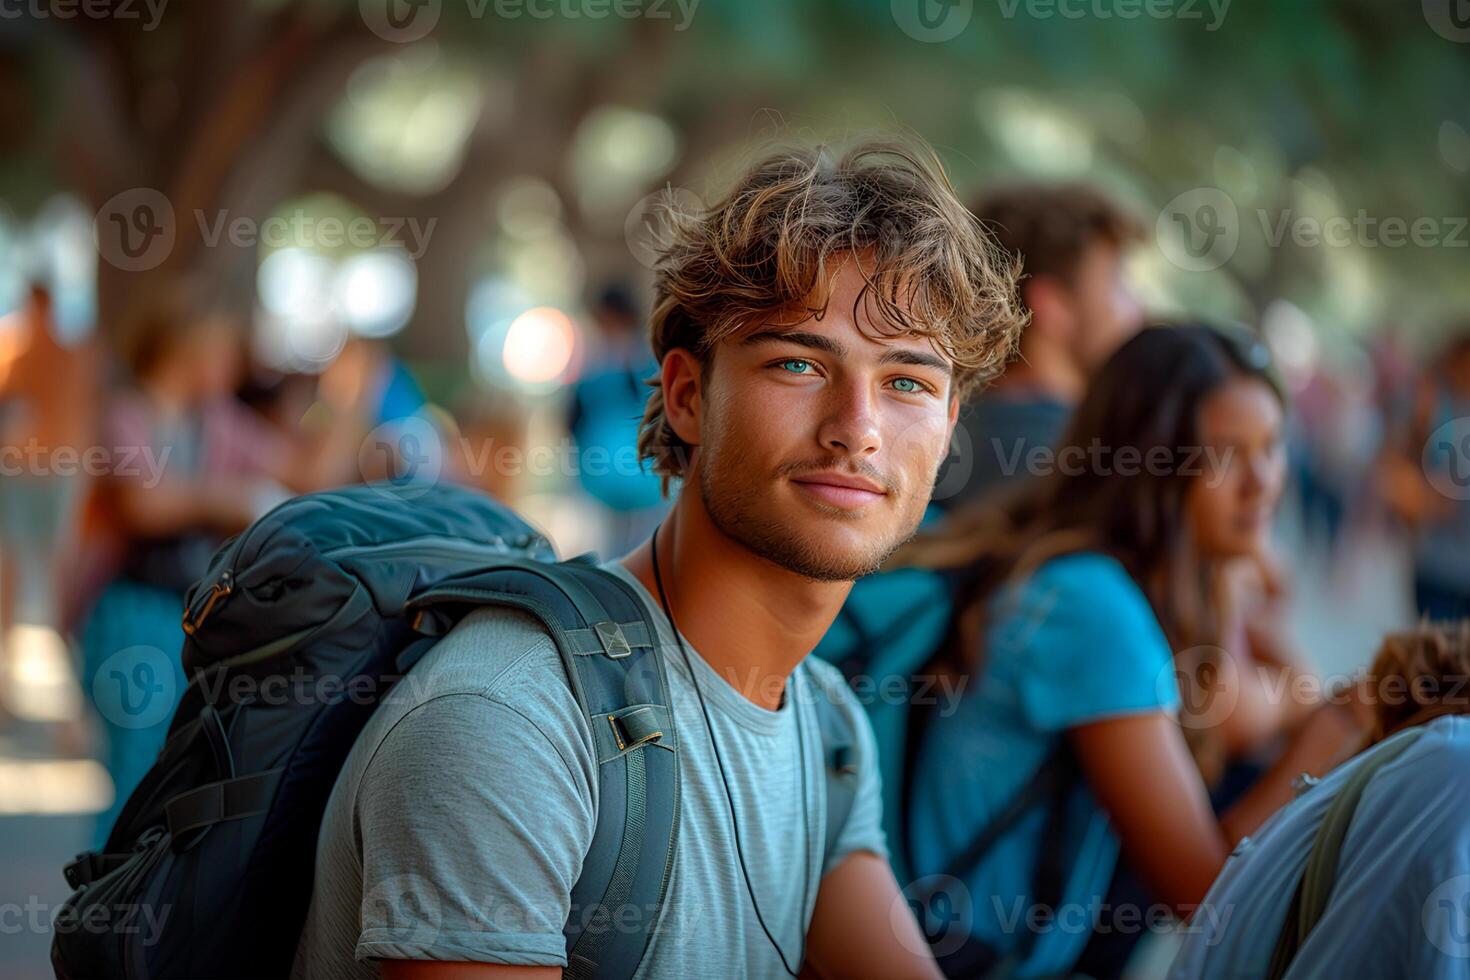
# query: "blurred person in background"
[607,406]
[390,402]
[1072,242]
[1085,605]
[1337,434]
[495,428]
[1427,483]
[191,465]
[47,420]
[1393,901]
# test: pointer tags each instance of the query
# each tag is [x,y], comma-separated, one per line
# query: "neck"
[751,620]
[1044,370]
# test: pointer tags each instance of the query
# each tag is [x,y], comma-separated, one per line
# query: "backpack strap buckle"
[637,726]
[87,868]
[217,591]
[613,641]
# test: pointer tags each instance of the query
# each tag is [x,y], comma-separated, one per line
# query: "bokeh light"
[375,291]
[539,346]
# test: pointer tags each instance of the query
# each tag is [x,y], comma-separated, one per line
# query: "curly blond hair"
[931,269]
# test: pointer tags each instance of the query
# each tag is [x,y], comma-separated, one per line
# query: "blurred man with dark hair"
[1072,242]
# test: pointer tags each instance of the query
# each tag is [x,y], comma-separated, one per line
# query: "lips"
[842,490]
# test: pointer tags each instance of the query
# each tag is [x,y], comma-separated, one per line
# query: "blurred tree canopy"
[233,106]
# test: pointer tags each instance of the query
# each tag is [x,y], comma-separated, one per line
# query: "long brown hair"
[1145,400]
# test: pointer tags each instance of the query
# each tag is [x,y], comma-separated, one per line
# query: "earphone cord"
[720,763]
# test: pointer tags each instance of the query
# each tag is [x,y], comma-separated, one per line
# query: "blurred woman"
[1085,605]
[190,465]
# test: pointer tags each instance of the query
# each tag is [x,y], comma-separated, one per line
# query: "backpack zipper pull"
[217,591]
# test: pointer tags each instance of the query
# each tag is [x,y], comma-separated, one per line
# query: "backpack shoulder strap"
[606,638]
[1315,887]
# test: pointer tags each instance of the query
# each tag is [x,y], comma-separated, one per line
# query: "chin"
[1239,547]
[840,550]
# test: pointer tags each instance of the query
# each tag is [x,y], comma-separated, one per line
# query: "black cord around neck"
[663,599]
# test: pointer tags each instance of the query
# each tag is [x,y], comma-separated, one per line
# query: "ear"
[954,417]
[682,377]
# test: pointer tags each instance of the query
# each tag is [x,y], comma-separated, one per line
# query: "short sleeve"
[1082,644]
[863,828]
[473,825]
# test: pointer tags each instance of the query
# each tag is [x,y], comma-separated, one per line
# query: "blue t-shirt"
[1074,643]
[1400,905]
[607,410]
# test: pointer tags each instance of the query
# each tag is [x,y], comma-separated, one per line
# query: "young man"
[1072,242]
[815,331]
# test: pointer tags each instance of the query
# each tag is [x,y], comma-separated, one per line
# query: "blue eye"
[907,385]
[796,366]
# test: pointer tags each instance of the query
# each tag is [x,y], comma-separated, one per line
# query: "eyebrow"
[825,344]
[812,341]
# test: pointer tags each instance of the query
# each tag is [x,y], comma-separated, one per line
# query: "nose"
[850,420]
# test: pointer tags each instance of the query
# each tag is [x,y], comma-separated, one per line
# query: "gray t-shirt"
[459,822]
